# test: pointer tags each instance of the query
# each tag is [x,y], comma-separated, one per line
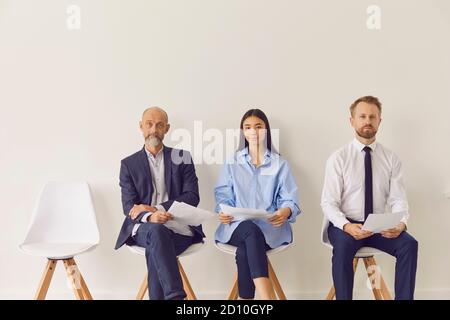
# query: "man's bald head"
[155,112]
[154,126]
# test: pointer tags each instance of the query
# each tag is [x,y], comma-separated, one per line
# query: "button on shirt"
[344,186]
[159,194]
[270,186]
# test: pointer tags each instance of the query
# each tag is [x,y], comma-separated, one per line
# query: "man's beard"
[366,134]
[153,141]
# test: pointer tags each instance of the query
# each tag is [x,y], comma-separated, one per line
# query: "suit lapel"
[168,168]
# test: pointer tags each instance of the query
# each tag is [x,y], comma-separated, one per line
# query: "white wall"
[70,103]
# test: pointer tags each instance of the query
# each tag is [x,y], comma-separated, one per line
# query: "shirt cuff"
[405,221]
[160,208]
[340,222]
[294,210]
[145,216]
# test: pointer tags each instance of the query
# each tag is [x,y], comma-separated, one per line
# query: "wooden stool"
[380,291]
[190,295]
[59,232]
[73,274]
[234,292]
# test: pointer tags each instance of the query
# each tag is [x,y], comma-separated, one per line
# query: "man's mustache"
[152,136]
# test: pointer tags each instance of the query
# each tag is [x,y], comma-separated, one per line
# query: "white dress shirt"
[343,190]
[159,195]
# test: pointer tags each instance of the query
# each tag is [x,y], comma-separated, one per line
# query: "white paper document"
[378,222]
[185,215]
[245,213]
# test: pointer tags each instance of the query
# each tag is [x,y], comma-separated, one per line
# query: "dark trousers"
[251,258]
[404,248]
[162,246]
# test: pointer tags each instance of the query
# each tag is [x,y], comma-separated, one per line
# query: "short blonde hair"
[366,99]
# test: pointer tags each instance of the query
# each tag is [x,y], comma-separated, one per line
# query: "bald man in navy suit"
[150,181]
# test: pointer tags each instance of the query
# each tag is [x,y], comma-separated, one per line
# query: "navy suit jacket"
[136,186]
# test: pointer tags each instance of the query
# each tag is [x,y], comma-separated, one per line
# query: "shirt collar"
[150,155]
[244,153]
[360,146]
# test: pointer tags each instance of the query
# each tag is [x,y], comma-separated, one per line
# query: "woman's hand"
[225,218]
[279,217]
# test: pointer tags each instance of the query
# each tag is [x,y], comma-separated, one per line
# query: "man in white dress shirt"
[363,178]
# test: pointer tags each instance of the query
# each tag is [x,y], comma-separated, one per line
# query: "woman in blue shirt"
[256,177]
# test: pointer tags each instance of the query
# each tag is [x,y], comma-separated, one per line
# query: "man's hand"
[280,217]
[225,218]
[160,217]
[354,229]
[394,232]
[138,208]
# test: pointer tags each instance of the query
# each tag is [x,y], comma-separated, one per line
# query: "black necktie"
[368,200]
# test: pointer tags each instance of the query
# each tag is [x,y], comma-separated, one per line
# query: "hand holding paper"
[188,214]
[185,215]
[245,213]
[394,232]
[382,221]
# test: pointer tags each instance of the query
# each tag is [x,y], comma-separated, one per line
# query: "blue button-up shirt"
[270,186]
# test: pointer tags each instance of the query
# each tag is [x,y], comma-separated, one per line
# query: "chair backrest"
[324,233]
[64,213]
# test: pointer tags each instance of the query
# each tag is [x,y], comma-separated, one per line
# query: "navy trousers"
[162,246]
[251,258]
[404,248]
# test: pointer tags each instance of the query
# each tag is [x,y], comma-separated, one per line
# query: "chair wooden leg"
[233,295]
[332,293]
[370,264]
[190,295]
[386,295]
[143,288]
[276,284]
[74,276]
[45,280]
[355,264]
[84,288]
[384,289]
[86,293]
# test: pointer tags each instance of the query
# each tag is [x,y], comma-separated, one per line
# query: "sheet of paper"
[245,213]
[378,222]
[189,215]
[185,215]
[179,228]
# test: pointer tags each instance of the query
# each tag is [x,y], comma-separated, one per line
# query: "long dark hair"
[261,115]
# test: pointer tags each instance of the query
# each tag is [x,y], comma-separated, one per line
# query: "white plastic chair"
[234,292]
[63,225]
[190,295]
[379,287]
